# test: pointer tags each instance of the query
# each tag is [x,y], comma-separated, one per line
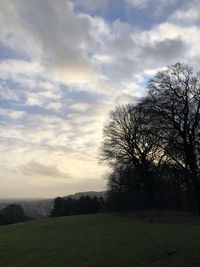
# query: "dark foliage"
[83,205]
[12,213]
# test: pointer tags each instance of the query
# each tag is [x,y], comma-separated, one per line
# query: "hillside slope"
[101,240]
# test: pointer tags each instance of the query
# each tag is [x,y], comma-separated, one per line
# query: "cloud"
[140,4]
[7,114]
[57,36]
[128,51]
[163,52]
[158,5]
[11,67]
[92,5]
[64,65]
[36,168]
[20,185]
[187,15]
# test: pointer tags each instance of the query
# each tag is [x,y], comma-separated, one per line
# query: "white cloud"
[11,114]
[60,38]
[36,168]
[140,4]
[9,68]
[68,70]
[188,15]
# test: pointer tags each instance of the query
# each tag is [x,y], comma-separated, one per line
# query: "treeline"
[12,213]
[70,206]
[153,148]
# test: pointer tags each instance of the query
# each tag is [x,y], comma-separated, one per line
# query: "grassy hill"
[102,240]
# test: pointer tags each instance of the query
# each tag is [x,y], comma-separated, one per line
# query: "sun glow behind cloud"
[63,66]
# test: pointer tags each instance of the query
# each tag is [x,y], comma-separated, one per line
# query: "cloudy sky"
[63,66]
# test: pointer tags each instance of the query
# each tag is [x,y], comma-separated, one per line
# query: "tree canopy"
[158,140]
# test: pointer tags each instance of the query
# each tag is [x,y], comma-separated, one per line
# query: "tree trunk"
[197,193]
[195,179]
[192,163]
[178,204]
[189,196]
[150,192]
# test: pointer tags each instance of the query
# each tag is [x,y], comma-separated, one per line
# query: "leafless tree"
[128,140]
[174,101]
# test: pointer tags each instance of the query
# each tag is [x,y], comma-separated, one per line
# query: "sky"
[64,65]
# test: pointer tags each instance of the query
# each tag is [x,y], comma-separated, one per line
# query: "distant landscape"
[41,208]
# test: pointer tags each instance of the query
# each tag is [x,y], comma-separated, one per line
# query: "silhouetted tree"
[12,213]
[174,97]
[70,206]
[130,141]
[155,145]
[60,208]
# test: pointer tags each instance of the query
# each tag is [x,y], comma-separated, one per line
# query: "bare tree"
[174,103]
[160,137]
[128,140]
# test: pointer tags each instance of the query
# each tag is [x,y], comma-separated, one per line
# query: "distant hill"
[41,208]
[89,193]
[34,208]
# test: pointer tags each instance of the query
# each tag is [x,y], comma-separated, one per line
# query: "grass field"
[101,240]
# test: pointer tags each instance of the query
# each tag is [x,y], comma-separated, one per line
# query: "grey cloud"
[91,4]
[122,49]
[35,168]
[159,4]
[132,51]
[139,4]
[126,99]
[62,33]
[164,52]
[62,38]
[189,14]
[120,40]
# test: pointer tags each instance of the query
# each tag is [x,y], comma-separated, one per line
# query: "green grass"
[102,240]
